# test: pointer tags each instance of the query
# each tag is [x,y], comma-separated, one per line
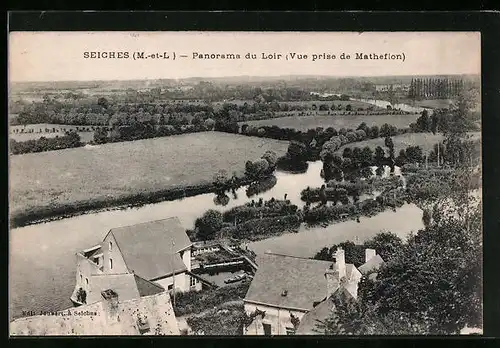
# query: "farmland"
[106,172]
[425,140]
[336,121]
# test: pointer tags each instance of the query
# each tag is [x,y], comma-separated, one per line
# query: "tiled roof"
[372,265]
[147,248]
[147,288]
[303,279]
[309,322]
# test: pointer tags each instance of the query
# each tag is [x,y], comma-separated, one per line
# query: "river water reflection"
[42,256]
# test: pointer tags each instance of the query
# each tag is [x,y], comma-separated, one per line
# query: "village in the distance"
[292,205]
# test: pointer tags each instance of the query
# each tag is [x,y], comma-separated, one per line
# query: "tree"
[100,135]
[103,102]
[220,181]
[271,158]
[379,156]
[387,245]
[209,124]
[209,224]
[366,156]
[297,151]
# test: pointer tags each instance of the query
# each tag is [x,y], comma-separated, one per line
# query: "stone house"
[287,291]
[135,260]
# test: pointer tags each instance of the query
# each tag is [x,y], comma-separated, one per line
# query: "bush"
[208,224]
[225,321]
[263,227]
[193,302]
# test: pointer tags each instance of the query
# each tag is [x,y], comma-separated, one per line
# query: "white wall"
[278,318]
[181,282]
[119,265]
[84,268]
[186,258]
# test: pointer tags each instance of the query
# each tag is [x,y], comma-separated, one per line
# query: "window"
[110,246]
[182,254]
[267,329]
[170,287]
[192,281]
[87,282]
[110,263]
[81,278]
[290,331]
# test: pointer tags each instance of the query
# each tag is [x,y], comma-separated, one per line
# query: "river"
[42,256]
[400,106]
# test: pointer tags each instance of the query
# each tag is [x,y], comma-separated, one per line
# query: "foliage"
[267,226]
[226,321]
[261,186]
[208,225]
[192,302]
[69,140]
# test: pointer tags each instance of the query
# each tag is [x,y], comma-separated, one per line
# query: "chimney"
[335,273]
[340,262]
[332,280]
[369,254]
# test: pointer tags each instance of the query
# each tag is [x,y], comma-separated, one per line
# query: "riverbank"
[51,213]
[113,175]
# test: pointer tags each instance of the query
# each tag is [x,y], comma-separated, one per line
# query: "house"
[135,261]
[286,289]
[111,315]
[309,322]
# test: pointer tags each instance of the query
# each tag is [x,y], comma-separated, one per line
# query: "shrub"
[264,227]
[192,302]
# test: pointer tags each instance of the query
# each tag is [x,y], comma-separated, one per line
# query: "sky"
[60,56]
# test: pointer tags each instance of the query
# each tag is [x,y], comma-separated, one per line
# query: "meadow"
[425,140]
[324,120]
[112,171]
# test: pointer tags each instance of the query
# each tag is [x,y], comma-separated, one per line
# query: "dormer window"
[284,293]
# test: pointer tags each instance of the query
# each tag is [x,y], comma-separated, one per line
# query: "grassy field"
[336,121]
[425,140]
[116,170]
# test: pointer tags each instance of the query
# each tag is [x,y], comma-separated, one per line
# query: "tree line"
[438,88]
[69,140]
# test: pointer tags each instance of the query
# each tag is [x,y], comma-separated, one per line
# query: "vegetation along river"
[42,256]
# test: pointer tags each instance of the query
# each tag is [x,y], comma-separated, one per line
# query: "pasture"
[425,140]
[324,120]
[118,170]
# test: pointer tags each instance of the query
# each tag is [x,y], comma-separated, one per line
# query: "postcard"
[245,183]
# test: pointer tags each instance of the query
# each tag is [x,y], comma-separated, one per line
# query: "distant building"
[111,315]
[287,293]
[135,261]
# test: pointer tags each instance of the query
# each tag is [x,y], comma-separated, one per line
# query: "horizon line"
[246,76]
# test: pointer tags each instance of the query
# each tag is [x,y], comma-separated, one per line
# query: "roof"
[147,248]
[310,320]
[147,288]
[303,279]
[100,319]
[128,286]
[372,265]
[123,284]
